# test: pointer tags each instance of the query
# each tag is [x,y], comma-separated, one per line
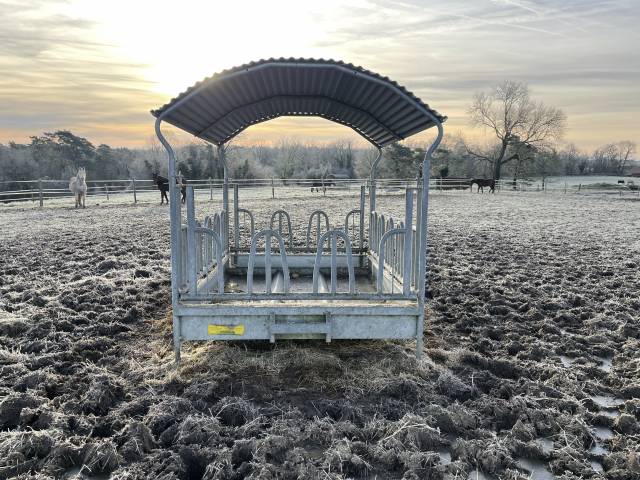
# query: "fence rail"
[137,190]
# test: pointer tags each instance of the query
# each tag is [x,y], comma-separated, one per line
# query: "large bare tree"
[516,121]
[625,150]
[613,158]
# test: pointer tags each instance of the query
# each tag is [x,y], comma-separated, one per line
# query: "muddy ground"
[532,363]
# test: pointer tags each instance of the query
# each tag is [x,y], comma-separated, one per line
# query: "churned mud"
[531,368]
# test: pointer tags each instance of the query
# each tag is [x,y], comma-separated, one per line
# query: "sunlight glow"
[180,43]
[89,65]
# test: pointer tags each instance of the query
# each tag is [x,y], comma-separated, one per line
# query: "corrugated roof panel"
[223,105]
[409,121]
[395,110]
[364,95]
[197,111]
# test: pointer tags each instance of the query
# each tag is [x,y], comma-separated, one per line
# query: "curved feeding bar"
[352,213]
[219,263]
[267,234]
[252,223]
[280,214]
[318,215]
[377,108]
[332,237]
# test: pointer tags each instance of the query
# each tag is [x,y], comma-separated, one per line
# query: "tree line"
[524,140]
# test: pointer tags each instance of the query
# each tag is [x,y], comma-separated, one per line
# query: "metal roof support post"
[422,229]
[225,197]
[372,181]
[192,250]
[361,230]
[408,239]
[236,221]
[176,220]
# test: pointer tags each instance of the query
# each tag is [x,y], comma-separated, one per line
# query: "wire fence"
[41,192]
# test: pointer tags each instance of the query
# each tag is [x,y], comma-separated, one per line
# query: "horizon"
[85,67]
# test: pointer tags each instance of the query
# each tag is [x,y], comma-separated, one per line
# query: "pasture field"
[531,368]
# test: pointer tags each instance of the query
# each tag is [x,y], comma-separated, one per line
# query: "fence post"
[273,189]
[579,186]
[210,189]
[106,189]
[40,189]
[135,196]
[565,187]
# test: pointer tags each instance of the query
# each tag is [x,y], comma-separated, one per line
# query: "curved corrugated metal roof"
[223,105]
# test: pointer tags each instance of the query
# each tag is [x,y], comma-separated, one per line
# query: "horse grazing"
[483,182]
[163,185]
[78,187]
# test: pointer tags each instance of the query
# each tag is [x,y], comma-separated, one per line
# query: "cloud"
[579,55]
[56,76]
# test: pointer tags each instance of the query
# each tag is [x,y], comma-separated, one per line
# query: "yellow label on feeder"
[226,329]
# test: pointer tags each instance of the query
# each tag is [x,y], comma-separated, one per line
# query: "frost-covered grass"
[532,325]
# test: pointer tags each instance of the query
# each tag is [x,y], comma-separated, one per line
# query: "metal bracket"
[329,321]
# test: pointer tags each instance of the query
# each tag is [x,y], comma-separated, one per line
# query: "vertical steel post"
[267,261]
[407,243]
[106,189]
[236,220]
[416,267]
[210,189]
[40,193]
[191,242]
[333,239]
[176,221]
[372,182]
[361,230]
[225,198]
[426,165]
[273,189]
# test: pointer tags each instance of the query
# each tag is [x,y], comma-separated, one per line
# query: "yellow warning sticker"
[225,329]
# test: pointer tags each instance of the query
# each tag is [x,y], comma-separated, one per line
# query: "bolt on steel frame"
[384,293]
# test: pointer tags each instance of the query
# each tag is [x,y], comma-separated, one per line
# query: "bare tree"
[365,161]
[289,153]
[515,120]
[573,161]
[262,154]
[625,150]
[545,161]
[605,158]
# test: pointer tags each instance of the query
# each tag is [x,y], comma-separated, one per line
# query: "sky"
[97,67]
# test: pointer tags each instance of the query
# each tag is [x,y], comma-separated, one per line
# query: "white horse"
[78,187]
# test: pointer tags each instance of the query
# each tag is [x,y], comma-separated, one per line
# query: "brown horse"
[483,182]
[163,185]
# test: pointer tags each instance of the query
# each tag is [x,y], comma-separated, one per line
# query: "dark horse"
[318,184]
[163,185]
[483,182]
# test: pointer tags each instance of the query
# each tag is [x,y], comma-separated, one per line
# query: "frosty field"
[532,365]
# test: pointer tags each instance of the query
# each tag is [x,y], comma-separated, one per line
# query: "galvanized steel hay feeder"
[332,288]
